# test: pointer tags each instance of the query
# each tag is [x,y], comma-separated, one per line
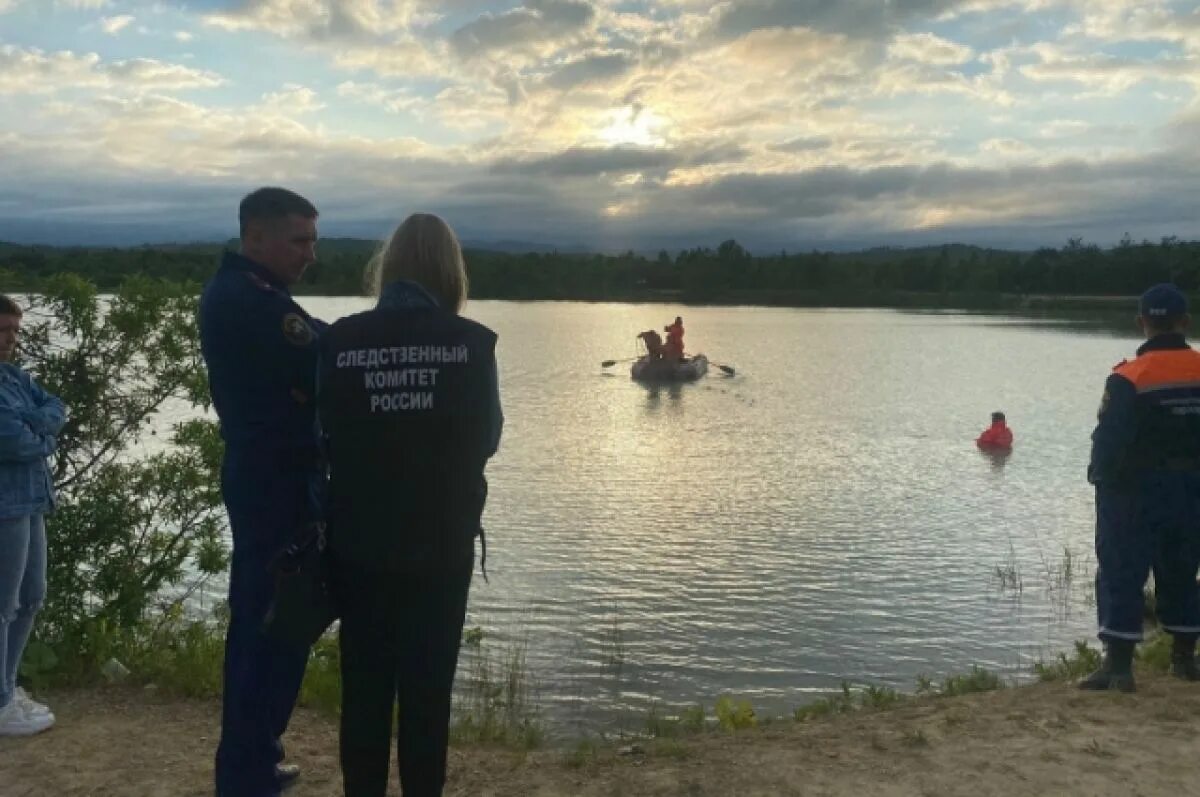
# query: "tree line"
[727,274]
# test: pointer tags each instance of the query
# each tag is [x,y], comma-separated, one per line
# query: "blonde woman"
[409,403]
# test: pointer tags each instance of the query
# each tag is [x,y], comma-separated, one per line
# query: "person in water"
[1145,466]
[673,349]
[997,436]
[654,344]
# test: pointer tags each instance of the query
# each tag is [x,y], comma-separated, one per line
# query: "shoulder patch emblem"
[297,330]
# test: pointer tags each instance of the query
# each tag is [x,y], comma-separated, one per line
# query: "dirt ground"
[1047,739]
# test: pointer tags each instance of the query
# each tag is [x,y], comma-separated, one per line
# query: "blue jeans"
[22,590]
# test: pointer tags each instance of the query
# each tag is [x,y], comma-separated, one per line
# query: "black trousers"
[400,636]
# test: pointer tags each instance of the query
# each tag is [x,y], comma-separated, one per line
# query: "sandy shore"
[1047,739]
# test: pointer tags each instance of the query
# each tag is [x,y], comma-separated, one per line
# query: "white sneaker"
[31,706]
[14,721]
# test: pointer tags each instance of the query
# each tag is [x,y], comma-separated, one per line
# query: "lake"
[822,516]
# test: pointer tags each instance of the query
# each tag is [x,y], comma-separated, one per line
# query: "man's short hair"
[9,307]
[273,204]
[998,416]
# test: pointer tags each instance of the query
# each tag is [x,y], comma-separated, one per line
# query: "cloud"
[183,36]
[391,100]
[537,22]
[293,99]
[321,20]
[597,161]
[114,25]
[595,68]
[32,71]
[83,5]
[803,144]
[857,18]
[632,121]
[927,48]
[1108,74]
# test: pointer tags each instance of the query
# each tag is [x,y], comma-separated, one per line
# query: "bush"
[139,524]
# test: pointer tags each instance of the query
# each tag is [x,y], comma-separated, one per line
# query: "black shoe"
[1183,666]
[286,775]
[1104,679]
[1183,656]
[1116,670]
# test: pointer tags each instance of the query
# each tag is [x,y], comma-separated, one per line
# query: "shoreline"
[1045,738]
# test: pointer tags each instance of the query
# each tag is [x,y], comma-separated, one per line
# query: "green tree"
[139,519]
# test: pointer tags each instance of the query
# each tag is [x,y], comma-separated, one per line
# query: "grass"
[1007,575]
[185,657]
[1069,666]
[583,753]
[495,702]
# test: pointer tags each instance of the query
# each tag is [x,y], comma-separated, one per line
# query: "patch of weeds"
[659,726]
[1156,654]
[692,719]
[1007,575]
[734,715]
[494,704]
[671,748]
[1069,666]
[614,647]
[879,697]
[1095,748]
[582,754]
[979,680]
[839,704]
[915,737]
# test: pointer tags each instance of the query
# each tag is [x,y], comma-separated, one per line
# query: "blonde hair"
[424,250]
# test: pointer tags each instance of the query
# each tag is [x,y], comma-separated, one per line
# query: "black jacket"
[408,403]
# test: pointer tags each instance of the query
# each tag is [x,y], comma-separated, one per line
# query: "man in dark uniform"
[260,348]
[1146,467]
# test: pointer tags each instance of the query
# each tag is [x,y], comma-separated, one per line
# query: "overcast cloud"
[611,124]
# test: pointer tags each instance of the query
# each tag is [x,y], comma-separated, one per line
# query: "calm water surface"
[824,515]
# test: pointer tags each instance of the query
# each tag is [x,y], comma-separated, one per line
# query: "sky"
[606,124]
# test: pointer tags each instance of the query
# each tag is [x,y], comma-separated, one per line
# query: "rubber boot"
[1183,657]
[1116,671]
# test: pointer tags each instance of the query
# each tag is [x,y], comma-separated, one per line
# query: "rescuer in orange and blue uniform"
[1146,468]
[673,349]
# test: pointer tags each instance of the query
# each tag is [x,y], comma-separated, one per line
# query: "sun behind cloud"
[636,123]
[633,126]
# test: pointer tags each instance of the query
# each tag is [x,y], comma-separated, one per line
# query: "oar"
[610,363]
[728,369]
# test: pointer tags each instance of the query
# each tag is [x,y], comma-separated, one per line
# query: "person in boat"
[673,350]
[1145,466]
[997,437]
[654,344]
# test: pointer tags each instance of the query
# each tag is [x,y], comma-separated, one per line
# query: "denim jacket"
[30,420]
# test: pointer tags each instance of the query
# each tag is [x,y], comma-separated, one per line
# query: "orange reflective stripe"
[1162,370]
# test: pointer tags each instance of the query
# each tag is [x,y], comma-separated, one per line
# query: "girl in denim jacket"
[30,420]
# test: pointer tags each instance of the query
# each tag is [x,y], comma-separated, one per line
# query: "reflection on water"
[998,457]
[823,515]
[654,392]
